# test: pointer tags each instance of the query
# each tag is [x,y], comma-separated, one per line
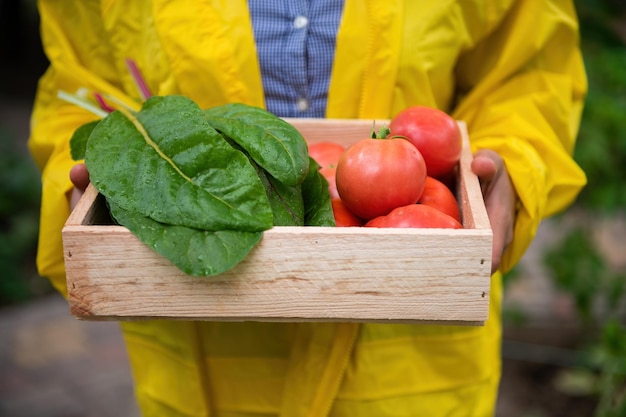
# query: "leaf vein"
[144,133]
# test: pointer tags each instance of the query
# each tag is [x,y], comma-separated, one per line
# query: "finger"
[502,226]
[75,197]
[499,198]
[500,205]
[79,176]
[486,165]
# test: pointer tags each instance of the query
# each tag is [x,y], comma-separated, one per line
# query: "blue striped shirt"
[295,42]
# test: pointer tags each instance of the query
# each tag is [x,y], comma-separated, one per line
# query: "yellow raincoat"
[511,69]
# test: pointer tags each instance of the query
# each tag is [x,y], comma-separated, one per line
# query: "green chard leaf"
[286,201]
[166,163]
[316,198]
[271,142]
[194,251]
[78,141]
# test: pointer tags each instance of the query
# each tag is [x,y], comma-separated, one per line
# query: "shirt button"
[302,104]
[300,22]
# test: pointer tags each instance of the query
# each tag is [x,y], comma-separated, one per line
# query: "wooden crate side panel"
[469,194]
[394,279]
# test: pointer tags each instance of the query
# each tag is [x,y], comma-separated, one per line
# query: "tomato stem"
[382,133]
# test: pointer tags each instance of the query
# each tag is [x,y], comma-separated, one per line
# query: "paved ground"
[52,365]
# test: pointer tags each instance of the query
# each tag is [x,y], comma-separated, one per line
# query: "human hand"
[80,178]
[500,200]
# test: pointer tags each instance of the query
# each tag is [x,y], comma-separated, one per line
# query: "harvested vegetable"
[200,186]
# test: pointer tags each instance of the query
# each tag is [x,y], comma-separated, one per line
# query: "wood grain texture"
[295,273]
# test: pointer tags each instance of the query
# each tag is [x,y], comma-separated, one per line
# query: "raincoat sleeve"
[73,43]
[522,88]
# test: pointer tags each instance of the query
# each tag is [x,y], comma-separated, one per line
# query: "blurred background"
[564,350]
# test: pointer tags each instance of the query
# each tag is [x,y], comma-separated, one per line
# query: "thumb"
[79,176]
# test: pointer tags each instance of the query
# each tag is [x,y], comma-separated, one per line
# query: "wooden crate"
[295,273]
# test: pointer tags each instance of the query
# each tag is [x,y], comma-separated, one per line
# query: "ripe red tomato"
[434,133]
[343,216]
[329,173]
[326,153]
[439,196]
[374,176]
[415,215]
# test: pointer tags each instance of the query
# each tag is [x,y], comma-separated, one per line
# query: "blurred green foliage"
[20,189]
[580,269]
[601,146]
[577,264]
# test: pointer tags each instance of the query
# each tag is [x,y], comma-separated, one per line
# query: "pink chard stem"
[140,82]
[103,104]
